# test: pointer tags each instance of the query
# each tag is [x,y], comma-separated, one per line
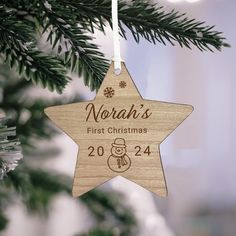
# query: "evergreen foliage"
[68,26]
[10,150]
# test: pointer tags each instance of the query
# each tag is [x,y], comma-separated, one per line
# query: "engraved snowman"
[119,161]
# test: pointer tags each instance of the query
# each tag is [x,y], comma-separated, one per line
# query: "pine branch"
[68,23]
[109,202]
[100,231]
[18,46]
[39,187]
[3,221]
[81,55]
[10,150]
[150,22]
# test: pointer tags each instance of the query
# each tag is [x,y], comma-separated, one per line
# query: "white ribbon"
[116,39]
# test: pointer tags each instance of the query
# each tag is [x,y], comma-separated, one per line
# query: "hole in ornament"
[117,71]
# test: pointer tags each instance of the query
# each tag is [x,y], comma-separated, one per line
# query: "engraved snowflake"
[109,92]
[122,84]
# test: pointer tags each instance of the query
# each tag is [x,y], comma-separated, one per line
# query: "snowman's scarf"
[121,161]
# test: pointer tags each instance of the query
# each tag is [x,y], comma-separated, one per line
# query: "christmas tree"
[68,27]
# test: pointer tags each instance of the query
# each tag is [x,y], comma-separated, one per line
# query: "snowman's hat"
[119,142]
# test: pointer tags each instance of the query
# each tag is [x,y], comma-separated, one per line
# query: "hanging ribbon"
[116,39]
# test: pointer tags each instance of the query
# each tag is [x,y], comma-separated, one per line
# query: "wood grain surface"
[119,133]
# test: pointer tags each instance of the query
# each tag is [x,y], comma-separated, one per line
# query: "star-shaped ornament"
[119,133]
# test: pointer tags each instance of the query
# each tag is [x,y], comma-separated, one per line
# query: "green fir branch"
[81,54]
[3,221]
[69,24]
[18,46]
[151,22]
[10,149]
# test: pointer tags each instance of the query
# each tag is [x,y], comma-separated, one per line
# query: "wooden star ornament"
[119,133]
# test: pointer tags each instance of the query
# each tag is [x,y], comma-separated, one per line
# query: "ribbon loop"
[116,39]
